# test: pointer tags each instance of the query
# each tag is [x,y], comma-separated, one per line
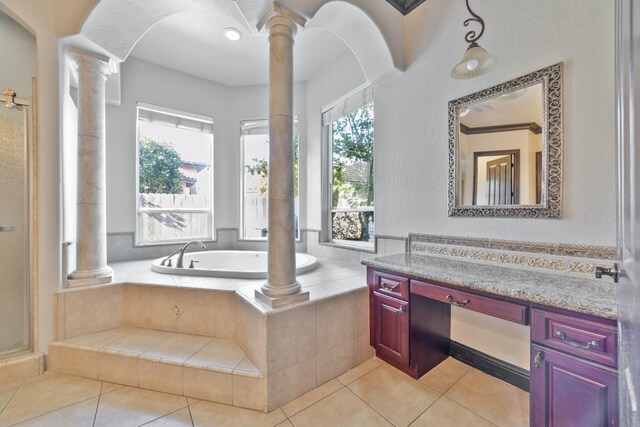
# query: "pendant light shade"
[475,62]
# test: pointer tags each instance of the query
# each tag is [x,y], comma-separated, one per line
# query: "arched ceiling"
[193,42]
[187,35]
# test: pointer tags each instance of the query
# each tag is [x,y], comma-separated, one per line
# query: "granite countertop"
[583,295]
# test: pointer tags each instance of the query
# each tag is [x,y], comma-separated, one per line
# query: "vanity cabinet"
[573,376]
[567,391]
[391,329]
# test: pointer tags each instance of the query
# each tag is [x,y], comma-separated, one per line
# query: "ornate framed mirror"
[505,149]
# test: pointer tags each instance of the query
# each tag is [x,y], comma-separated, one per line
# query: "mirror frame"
[551,204]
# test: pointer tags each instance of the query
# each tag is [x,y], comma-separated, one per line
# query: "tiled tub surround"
[209,339]
[569,292]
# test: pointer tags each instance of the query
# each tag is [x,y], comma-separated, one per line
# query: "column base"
[90,277]
[275,302]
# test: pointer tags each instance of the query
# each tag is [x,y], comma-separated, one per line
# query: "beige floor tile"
[109,387]
[285,423]
[214,414]
[386,390]
[180,418]
[78,415]
[355,373]
[494,400]
[100,339]
[192,401]
[342,408]
[133,407]
[315,395]
[139,341]
[447,413]
[7,391]
[44,394]
[445,375]
[219,353]
[179,347]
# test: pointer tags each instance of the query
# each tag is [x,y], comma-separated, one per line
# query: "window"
[175,176]
[348,129]
[255,173]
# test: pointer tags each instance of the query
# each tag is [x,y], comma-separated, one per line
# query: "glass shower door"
[14,231]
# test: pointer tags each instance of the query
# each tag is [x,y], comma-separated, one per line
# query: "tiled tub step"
[201,367]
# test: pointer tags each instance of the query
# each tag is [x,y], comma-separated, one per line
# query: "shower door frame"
[31,213]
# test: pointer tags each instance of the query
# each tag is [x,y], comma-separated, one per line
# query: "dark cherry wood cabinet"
[569,392]
[391,329]
[573,375]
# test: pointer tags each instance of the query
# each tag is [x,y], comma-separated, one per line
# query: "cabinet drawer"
[505,310]
[392,285]
[589,339]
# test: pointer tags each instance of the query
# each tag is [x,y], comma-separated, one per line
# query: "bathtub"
[234,264]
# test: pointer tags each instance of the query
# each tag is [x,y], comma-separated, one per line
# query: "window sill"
[367,247]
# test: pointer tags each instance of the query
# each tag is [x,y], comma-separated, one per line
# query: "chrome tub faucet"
[183,249]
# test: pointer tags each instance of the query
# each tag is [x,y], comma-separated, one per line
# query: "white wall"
[150,83]
[18,53]
[411,151]
[411,116]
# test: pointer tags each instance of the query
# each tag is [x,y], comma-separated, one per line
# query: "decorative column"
[91,239]
[281,286]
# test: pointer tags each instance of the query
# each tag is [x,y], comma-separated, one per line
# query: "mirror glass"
[500,149]
[505,148]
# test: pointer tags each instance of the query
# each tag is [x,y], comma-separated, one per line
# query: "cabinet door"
[391,325]
[569,392]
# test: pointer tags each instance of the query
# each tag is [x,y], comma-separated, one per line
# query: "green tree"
[352,150]
[353,142]
[159,165]
[261,167]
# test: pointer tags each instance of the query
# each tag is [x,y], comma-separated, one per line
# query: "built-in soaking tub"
[235,264]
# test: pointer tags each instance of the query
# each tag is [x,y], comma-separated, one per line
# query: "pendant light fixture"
[475,61]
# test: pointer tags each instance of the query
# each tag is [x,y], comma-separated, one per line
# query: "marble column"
[91,239]
[281,286]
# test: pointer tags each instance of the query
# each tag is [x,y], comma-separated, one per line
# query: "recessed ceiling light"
[232,34]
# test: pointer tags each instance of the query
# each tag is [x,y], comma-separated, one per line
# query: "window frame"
[296,129]
[210,236]
[326,232]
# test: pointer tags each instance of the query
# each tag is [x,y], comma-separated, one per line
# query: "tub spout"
[183,250]
[168,258]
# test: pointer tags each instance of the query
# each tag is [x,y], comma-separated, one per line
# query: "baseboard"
[507,372]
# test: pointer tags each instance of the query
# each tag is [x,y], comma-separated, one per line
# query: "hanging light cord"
[471,36]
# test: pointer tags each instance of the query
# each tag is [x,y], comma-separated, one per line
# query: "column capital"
[281,15]
[90,61]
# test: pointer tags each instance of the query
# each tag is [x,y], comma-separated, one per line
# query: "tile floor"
[372,394]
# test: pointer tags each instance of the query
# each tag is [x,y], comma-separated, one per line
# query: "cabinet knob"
[537,361]
[401,310]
